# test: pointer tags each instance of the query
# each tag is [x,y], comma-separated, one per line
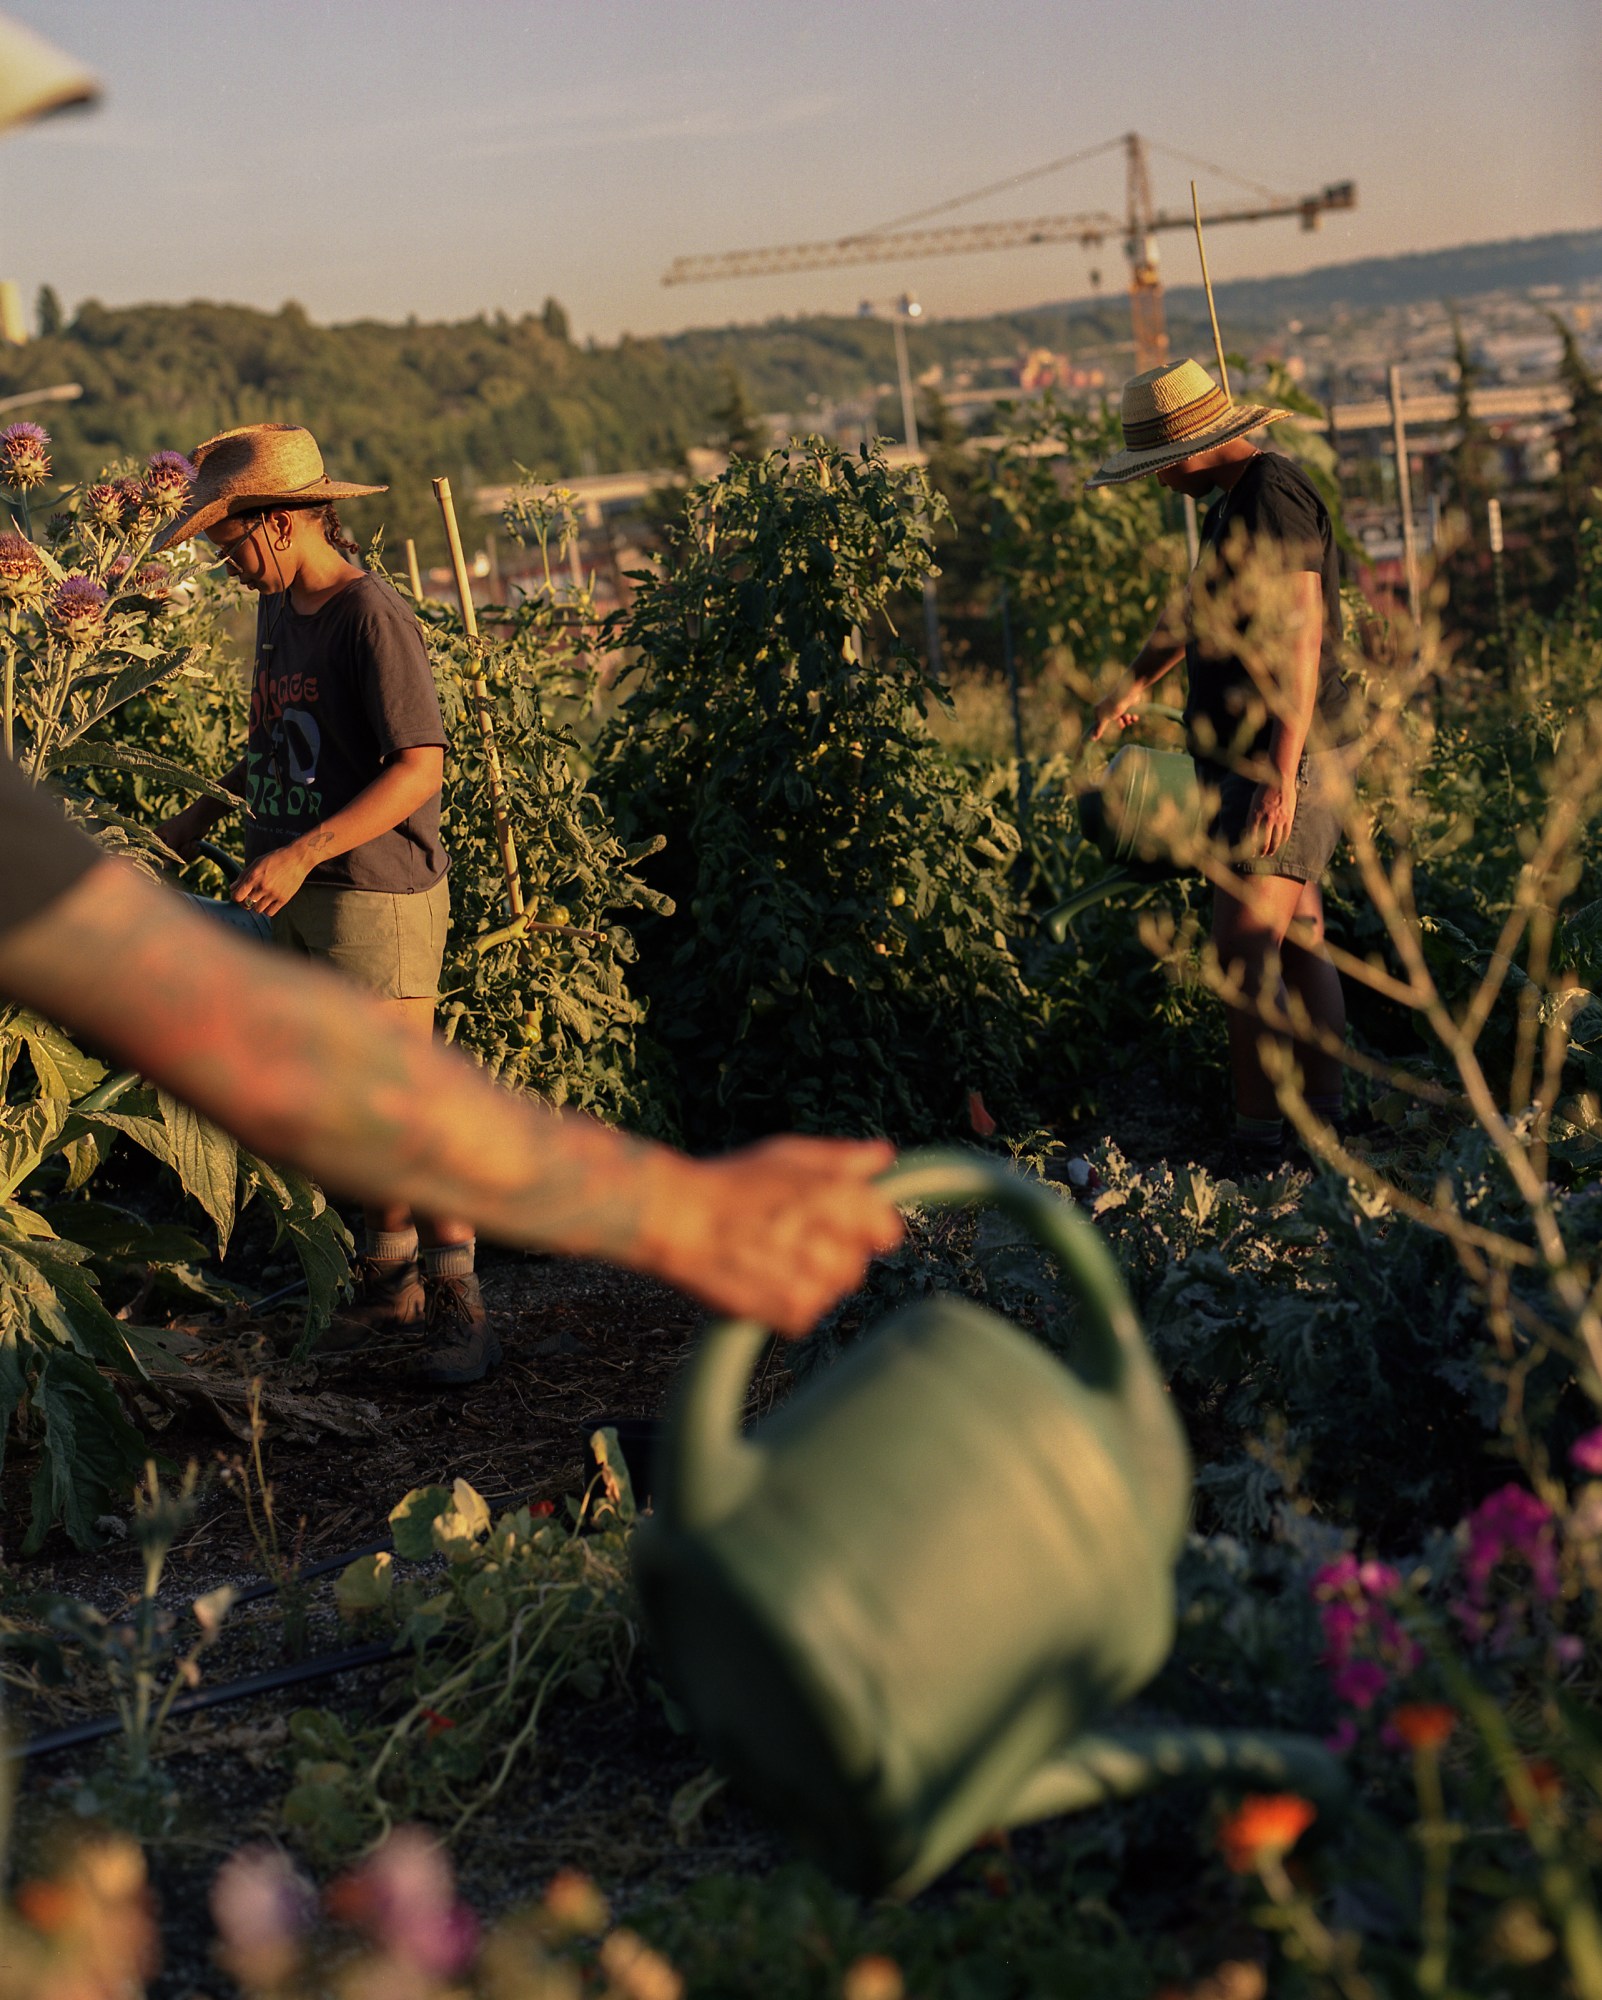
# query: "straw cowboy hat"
[263,465]
[1174,412]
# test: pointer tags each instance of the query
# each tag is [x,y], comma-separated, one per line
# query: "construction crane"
[896,240]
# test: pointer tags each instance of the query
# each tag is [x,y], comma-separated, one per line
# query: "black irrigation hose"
[323,1667]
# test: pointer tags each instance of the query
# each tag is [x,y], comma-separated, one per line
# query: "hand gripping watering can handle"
[708,1467]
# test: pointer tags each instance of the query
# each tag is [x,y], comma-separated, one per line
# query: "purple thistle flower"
[168,479]
[262,1908]
[24,456]
[137,510]
[22,571]
[151,579]
[78,609]
[1585,1454]
[104,503]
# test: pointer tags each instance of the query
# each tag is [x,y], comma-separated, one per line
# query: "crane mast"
[1146,315]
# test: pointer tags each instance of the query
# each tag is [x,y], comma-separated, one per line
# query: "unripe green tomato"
[560,915]
[897,898]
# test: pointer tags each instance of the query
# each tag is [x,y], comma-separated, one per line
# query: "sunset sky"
[385,157]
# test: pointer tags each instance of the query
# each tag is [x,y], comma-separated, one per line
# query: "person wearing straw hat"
[307,1069]
[1265,716]
[341,776]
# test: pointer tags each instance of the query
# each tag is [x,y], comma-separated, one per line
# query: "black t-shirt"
[337,693]
[1273,503]
[41,852]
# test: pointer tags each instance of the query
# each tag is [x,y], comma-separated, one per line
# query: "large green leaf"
[129,757]
[26,1133]
[61,1066]
[90,1453]
[321,1242]
[207,1162]
[201,1154]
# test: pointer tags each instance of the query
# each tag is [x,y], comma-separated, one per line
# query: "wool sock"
[449,1260]
[390,1246]
[1264,1133]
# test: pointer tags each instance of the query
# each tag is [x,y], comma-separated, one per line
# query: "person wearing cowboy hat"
[1266,716]
[344,759]
[305,1068]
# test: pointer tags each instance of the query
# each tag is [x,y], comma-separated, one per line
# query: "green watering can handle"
[709,1468]
[1057,919]
[1120,1763]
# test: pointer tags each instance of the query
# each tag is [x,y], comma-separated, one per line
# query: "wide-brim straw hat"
[262,465]
[1173,413]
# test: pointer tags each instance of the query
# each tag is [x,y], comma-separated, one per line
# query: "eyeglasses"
[226,555]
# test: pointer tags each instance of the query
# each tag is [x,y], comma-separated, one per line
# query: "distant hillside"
[474,400]
[784,361]
[1571,259]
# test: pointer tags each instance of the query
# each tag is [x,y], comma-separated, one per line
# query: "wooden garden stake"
[1207,287]
[414,575]
[481,701]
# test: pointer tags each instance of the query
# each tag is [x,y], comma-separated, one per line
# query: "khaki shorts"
[392,945]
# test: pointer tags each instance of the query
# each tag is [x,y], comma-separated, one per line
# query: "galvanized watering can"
[1146,806]
[892,1610]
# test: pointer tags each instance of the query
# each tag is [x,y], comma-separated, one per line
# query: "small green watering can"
[892,1610]
[1146,805]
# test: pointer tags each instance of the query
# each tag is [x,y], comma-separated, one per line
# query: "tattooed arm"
[302,1068]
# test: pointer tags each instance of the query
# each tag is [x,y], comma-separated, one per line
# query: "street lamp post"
[903,309]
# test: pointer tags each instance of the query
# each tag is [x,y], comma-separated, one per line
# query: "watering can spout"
[708,1468]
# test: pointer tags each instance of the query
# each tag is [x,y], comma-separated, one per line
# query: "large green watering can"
[892,1610]
[1142,815]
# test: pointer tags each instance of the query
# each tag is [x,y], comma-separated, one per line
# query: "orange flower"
[1263,1828]
[48,1906]
[1546,1781]
[873,1978]
[1424,1725]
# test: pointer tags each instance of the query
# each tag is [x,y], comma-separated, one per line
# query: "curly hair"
[335,532]
[326,514]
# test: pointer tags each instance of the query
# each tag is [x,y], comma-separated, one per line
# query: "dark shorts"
[1321,790]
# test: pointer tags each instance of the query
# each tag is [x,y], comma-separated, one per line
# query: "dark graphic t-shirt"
[41,853]
[337,693]
[1273,504]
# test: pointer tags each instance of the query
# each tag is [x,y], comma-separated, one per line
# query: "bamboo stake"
[414,574]
[1207,286]
[481,701]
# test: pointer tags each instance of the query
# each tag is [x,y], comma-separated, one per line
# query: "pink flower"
[1364,1643]
[404,1898]
[1585,1454]
[1359,1683]
[24,456]
[1511,1524]
[262,1908]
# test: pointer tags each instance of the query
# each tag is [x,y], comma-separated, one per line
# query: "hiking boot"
[389,1300]
[459,1343]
